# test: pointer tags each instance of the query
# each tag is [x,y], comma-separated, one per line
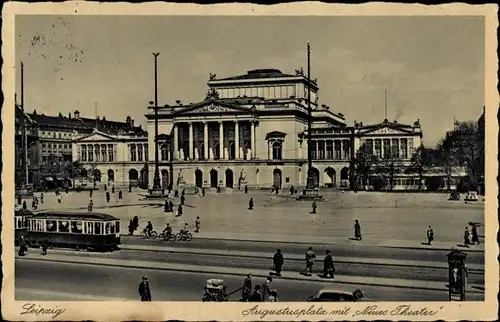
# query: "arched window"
[164,152]
[277,151]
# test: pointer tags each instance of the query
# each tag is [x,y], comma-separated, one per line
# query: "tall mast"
[24,132]
[309,112]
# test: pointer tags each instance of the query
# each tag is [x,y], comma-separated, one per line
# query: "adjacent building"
[114,153]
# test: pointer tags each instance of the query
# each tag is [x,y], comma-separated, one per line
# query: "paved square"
[383,216]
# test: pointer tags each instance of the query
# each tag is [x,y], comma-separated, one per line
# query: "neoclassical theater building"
[251,130]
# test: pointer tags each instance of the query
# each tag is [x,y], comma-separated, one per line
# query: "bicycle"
[145,234]
[184,236]
[169,237]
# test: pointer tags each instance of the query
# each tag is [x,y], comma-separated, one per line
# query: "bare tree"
[422,159]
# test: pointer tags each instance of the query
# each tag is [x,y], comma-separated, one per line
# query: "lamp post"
[156,179]
[24,132]
[310,176]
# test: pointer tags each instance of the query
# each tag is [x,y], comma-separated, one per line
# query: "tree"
[388,169]
[363,164]
[422,159]
[445,158]
[467,148]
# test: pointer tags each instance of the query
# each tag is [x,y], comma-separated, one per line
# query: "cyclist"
[168,230]
[149,228]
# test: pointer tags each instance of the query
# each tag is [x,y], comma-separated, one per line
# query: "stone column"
[252,140]
[324,149]
[176,142]
[205,140]
[317,149]
[236,140]
[190,152]
[221,140]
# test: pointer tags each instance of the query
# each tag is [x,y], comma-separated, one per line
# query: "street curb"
[239,274]
[317,243]
[131,248]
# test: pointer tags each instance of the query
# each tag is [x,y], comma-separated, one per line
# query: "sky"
[432,67]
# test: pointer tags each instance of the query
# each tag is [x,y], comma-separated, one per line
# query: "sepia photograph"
[250,158]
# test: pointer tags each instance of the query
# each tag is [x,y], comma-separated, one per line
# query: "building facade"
[33,147]
[112,156]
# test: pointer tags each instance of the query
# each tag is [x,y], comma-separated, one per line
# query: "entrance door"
[229,178]
[315,173]
[198,178]
[214,180]
[277,178]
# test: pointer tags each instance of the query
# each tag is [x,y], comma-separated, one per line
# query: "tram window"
[89,227]
[117,229]
[97,227]
[76,227]
[39,225]
[112,227]
[63,226]
[19,222]
[107,228]
[51,225]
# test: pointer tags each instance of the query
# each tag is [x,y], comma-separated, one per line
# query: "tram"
[79,230]
[21,223]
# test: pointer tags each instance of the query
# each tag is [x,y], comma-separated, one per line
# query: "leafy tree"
[467,147]
[388,169]
[363,164]
[422,159]
[446,158]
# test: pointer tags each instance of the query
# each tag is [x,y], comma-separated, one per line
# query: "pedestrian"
[246,289]
[246,189]
[91,205]
[90,193]
[183,199]
[250,204]
[130,187]
[278,262]
[19,199]
[41,197]
[67,189]
[179,211]
[266,288]
[310,256]
[292,190]
[466,237]
[274,296]
[136,222]
[475,237]
[256,295]
[33,204]
[314,206]
[144,290]
[357,230]
[22,246]
[45,245]
[24,205]
[176,193]
[218,189]
[131,227]
[277,190]
[120,194]
[113,189]
[106,187]
[166,206]
[108,197]
[170,206]
[197,225]
[203,192]
[430,235]
[328,266]
[59,198]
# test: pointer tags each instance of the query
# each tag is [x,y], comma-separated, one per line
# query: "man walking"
[278,262]
[466,237]
[475,237]
[144,290]
[45,245]
[328,266]
[197,225]
[357,230]
[266,289]
[246,289]
[430,235]
[310,256]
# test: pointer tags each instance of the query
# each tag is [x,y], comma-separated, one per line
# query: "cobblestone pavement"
[385,218]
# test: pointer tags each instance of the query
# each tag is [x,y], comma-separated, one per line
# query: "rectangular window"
[338,150]
[139,152]
[329,149]
[346,150]
[146,152]
[378,148]
[97,228]
[76,226]
[63,226]
[314,156]
[110,153]
[97,153]
[410,147]
[51,225]
[387,148]
[89,228]
[112,227]
[107,228]
[117,226]
[395,148]
[321,150]
[404,148]
[369,145]
[133,154]
[90,153]
[103,153]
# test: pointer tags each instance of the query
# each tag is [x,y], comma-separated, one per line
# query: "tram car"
[21,223]
[78,230]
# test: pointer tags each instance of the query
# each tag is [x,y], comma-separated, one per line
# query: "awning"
[48,179]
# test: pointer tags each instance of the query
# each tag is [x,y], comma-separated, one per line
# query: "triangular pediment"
[96,136]
[387,129]
[213,107]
